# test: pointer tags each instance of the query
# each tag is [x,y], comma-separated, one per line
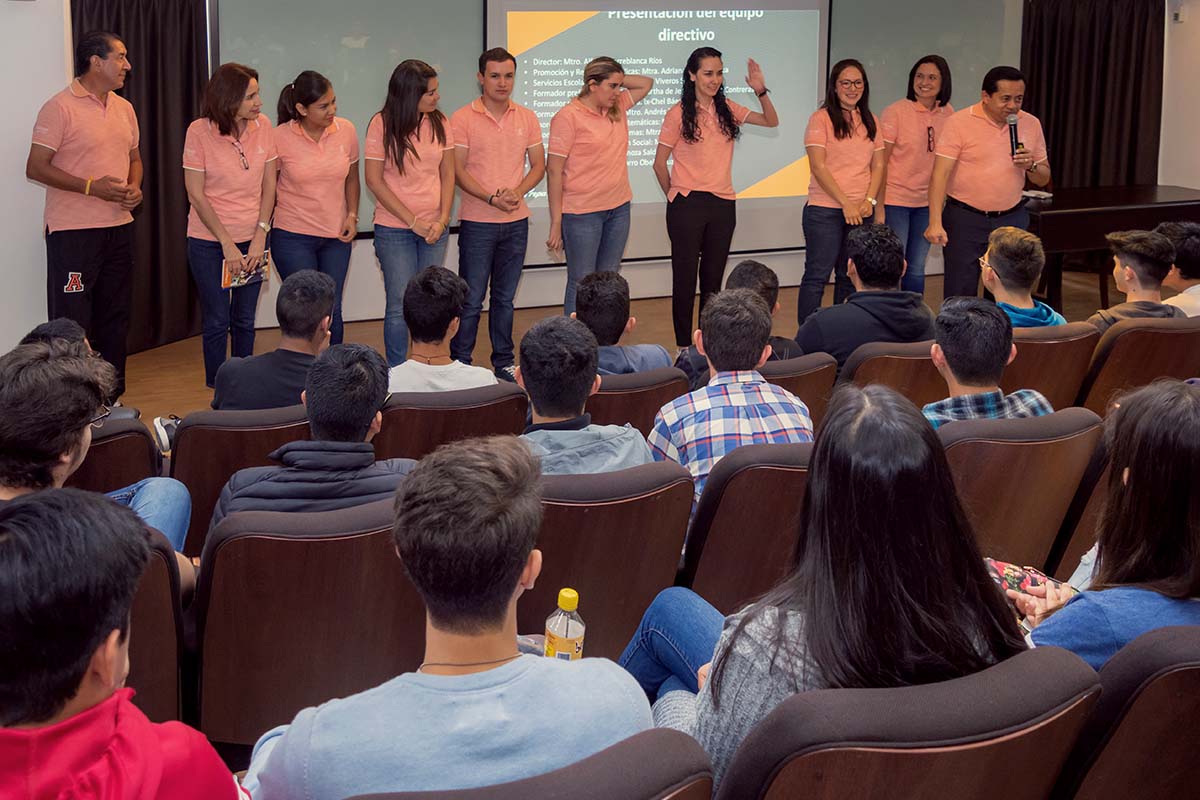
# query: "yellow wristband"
[87,189]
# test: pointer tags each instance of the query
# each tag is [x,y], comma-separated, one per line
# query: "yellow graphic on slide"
[528,29]
[790,181]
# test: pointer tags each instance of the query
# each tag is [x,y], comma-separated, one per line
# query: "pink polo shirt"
[420,187]
[496,155]
[233,191]
[310,197]
[90,139]
[596,174]
[849,159]
[985,176]
[705,165]
[913,132]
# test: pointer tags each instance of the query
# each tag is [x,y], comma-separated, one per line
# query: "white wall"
[1179,153]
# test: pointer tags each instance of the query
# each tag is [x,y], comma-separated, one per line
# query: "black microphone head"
[1012,120]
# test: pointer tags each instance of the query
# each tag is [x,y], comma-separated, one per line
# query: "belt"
[989,214]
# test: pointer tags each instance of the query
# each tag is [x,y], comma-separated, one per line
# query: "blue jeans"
[909,225]
[163,504]
[594,241]
[825,232]
[677,635]
[489,252]
[293,252]
[222,311]
[402,254]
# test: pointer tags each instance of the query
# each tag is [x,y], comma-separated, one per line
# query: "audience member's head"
[876,257]
[65,647]
[558,367]
[467,520]
[1016,257]
[59,328]
[345,389]
[758,278]
[602,303]
[735,328]
[1141,259]
[433,304]
[304,306]
[49,395]
[1185,238]
[973,341]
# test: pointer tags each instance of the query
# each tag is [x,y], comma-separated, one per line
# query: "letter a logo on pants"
[74,283]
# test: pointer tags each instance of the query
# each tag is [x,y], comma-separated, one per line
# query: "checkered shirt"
[987,405]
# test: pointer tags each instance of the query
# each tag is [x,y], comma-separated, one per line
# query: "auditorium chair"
[615,538]
[1003,732]
[636,398]
[122,453]
[1052,359]
[293,609]
[907,368]
[657,764]
[809,377]
[156,635]
[417,423]
[1078,531]
[1016,478]
[212,445]
[747,523]
[1136,352]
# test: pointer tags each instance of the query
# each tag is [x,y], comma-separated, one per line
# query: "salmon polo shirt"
[848,160]
[310,197]
[419,188]
[233,189]
[90,139]
[705,165]
[596,147]
[913,132]
[496,154]
[985,176]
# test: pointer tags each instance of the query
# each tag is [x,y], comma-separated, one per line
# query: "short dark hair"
[1017,258]
[49,393]
[943,96]
[994,75]
[1150,255]
[602,303]
[878,255]
[558,366]
[223,94]
[976,338]
[59,328]
[497,54]
[1185,238]
[736,326]
[432,299]
[467,518]
[758,278]
[305,299]
[345,388]
[84,554]
[92,43]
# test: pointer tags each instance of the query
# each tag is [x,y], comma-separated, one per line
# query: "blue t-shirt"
[1095,625]
[622,359]
[422,732]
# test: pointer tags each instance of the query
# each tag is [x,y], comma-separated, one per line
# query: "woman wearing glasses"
[845,156]
[232,194]
[911,128]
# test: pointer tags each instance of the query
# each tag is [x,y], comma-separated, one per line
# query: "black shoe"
[508,373]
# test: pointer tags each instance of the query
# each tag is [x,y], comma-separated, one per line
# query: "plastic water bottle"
[564,628]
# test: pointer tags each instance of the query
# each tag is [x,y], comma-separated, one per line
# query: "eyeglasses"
[98,420]
[385,401]
[929,137]
[983,262]
[241,154]
[850,84]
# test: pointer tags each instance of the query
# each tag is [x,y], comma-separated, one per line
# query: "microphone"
[1012,133]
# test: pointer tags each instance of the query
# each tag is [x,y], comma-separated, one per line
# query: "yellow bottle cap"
[568,599]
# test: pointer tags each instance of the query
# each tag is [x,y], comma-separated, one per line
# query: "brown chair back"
[615,538]
[1052,359]
[1135,352]
[636,398]
[743,535]
[295,609]
[907,368]
[808,377]
[417,423]
[1078,531]
[123,452]
[212,445]
[156,635]
[958,738]
[1016,477]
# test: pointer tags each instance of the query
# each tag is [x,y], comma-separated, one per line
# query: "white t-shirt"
[414,376]
[1188,300]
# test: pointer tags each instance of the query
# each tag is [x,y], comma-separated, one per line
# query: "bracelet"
[763,93]
[491,198]
[87,188]
[355,216]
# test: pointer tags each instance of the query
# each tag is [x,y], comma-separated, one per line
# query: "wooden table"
[1076,220]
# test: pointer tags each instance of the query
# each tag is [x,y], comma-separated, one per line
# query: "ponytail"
[308,87]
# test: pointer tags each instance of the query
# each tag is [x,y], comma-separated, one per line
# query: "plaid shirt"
[987,405]
[734,409]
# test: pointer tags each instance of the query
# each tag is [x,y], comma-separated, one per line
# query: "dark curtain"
[1095,72]
[167,45]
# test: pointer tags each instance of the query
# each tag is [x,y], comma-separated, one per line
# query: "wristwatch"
[763,92]
[872,201]
[266,226]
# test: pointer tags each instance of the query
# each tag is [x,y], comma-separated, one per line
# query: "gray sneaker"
[164,432]
[508,373]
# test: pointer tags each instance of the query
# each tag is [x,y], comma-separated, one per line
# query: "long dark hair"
[888,581]
[401,119]
[689,130]
[223,94]
[833,107]
[943,97]
[308,88]
[1149,532]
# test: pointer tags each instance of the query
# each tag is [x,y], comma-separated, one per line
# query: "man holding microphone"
[984,155]
[85,151]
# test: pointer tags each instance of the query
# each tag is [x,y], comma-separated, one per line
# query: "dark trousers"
[89,278]
[967,233]
[825,231]
[292,252]
[700,226]
[489,253]
[222,311]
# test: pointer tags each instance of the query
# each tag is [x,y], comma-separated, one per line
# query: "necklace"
[425,664]
[428,359]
